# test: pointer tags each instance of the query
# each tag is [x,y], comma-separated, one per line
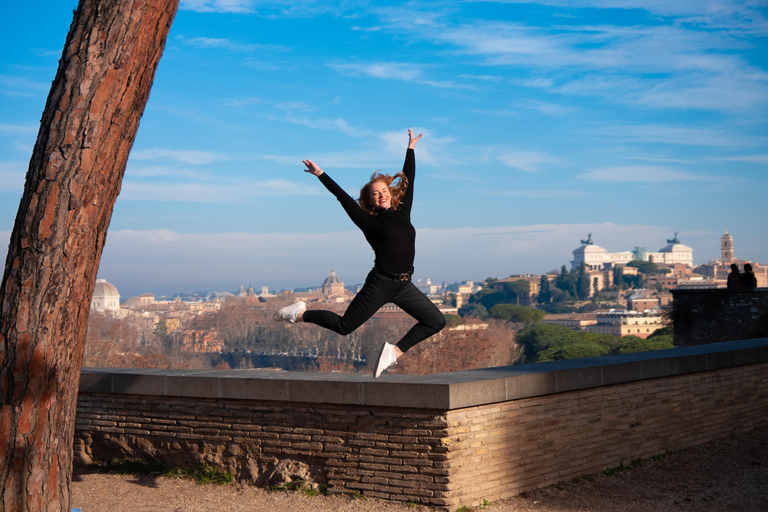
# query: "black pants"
[377,291]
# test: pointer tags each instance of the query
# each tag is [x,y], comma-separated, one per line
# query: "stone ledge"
[444,391]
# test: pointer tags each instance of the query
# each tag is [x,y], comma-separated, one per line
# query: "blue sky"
[543,121]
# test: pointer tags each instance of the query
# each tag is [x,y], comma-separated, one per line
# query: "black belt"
[405,276]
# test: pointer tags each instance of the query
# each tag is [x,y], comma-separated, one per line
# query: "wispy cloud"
[408,72]
[208,192]
[754,159]
[21,86]
[17,129]
[280,105]
[339,125]
[683,135]
[233,6]
[386,70]
[187,156]
[657,65]
[527,161]
[228,44]
[543,194]
[545,107]
[12,176]
[365,29]
[644,173]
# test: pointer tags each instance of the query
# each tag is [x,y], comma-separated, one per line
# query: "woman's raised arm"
[412,140]
[312,167]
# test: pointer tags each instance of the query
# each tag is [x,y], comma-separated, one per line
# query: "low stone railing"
[447,440]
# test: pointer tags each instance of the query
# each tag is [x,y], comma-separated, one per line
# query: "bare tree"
[86,133]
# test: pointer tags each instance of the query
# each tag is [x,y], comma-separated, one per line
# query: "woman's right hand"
[312,167]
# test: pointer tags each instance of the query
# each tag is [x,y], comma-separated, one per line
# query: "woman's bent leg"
[430,319]
[374,294]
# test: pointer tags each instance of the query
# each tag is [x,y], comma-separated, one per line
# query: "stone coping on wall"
[444,391]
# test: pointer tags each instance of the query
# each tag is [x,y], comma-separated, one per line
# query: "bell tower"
[726,249]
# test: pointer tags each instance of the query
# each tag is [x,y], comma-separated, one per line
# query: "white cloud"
[527,161]
[228,44]
[644,173]
[754,159]
[234,6]
[339,125]
[673,134]
[546,108]
[22,87]
[397,71]
[207,192]
[12,175]
[187,156]
[18,129]
[543,194]
[386,70]
[660,64]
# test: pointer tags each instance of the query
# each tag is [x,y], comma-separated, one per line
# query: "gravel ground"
[726,475]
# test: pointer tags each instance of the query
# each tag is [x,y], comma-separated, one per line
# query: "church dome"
[105,296]
[333,285]
[676,248]
[332,279]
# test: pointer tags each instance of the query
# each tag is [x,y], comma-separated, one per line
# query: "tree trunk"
[86,132]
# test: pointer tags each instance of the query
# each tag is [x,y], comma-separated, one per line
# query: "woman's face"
[380,196]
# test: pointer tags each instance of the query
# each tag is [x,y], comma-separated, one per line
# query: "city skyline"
[543,121]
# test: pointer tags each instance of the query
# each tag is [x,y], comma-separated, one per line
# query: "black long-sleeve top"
[389,232]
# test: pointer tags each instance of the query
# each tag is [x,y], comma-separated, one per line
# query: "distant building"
[105,296]
[575,321]
[625,323]
[716,271]
[598,258]
[333,286]
[642,301]
[428,288]
[533,280]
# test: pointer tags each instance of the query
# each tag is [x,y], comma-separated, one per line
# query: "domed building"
[673,252]
[596,257]
[105,296]
[333,286]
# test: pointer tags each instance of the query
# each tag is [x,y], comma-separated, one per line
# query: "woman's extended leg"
[430,319]
[376,292]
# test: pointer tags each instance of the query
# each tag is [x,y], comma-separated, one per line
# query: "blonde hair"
[397,191]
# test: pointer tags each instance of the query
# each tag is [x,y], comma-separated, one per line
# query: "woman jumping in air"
[383,214]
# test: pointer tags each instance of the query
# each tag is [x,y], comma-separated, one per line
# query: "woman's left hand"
[412,140]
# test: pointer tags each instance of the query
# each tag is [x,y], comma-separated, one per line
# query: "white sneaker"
[290,313]
[387,359]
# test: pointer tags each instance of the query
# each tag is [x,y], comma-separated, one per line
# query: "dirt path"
[726,475]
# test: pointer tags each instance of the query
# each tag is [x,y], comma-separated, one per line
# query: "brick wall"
[711,316]
[380,452]
[500,450]
[448,440]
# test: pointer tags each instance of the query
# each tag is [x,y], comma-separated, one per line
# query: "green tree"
[452,320]
[644,267]
[517,289]
[519,314]
[565,281]
[582,282]
[540,337]
[634,344]
[473,309]
[545,296]
[573,351]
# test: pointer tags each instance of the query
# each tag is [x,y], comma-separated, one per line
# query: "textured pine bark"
[75,173]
